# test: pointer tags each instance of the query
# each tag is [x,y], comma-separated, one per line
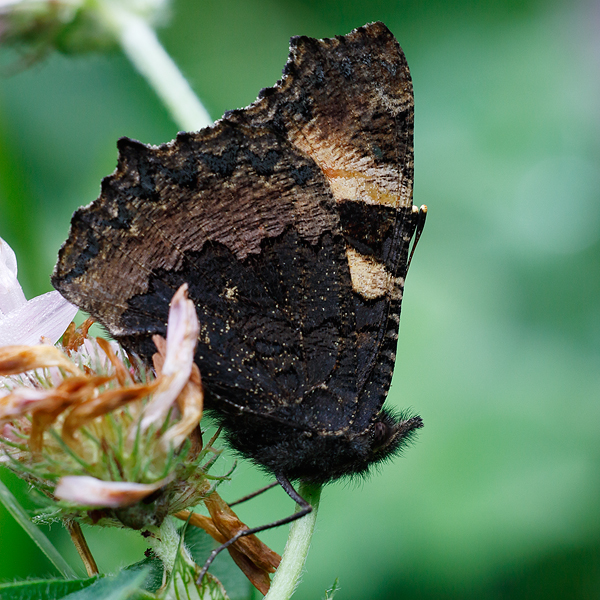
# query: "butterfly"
[291,222]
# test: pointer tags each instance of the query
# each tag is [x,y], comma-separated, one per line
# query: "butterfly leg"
[305,508]
[254,494]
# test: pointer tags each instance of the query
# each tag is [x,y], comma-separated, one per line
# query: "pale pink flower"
[27,322]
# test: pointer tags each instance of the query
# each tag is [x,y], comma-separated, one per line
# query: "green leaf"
[212,589]
[331,592]
[49,589]
[127,585]
[200,545]
[154,576]
[16,510]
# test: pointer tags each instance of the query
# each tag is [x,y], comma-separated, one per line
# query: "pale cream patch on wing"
[351,185]
[369,277]
[355,177]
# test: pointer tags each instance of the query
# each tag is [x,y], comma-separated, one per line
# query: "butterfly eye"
[381,435]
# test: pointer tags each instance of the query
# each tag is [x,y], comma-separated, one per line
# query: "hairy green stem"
[142,47]
[296,550]
[167,542]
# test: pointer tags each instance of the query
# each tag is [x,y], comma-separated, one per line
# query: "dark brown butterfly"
[290,221]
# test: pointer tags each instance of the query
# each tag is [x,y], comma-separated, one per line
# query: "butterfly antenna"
[418,229]
[305,508]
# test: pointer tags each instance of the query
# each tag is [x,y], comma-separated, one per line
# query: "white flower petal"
[11,293]
[48,315]
[182,336]
[89,491]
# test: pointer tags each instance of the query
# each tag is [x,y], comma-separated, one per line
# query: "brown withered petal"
[258,576]
[74,336]
[40,421]
[45,406]
[203,522]
[83,386]
[228,523]
[32,400]
[24,400]
[18,359]
[100,405]
[158,359]
[157,362]
[191,403]
[121,371]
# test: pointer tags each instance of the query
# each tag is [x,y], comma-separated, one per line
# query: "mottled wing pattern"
[348,103]
[249,223]
[289,220]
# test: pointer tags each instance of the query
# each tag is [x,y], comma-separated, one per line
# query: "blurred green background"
[500,333]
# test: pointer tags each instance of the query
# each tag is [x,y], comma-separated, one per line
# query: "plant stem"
[167,543]
[142,47]
[81,545]
[298,543]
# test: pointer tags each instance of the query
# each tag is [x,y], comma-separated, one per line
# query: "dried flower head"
[96,431]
